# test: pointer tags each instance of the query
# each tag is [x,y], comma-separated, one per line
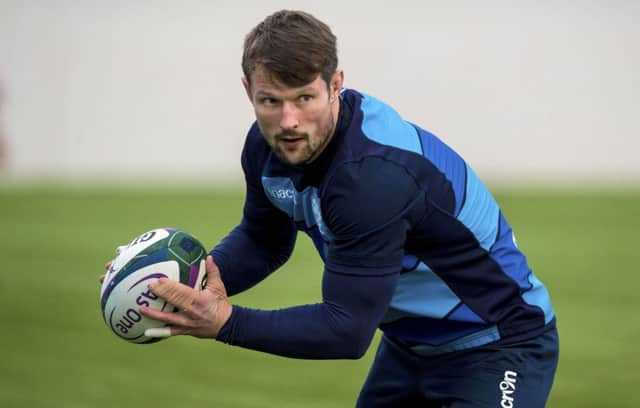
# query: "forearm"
[298,332]
[342,326]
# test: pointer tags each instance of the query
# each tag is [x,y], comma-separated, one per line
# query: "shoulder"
[361,195]
[254,143]
[254,152]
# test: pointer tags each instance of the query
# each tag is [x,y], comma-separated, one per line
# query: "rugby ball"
[159,253]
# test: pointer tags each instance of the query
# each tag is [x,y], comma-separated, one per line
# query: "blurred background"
[119,117]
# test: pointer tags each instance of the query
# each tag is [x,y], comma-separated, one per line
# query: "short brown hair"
[293,46]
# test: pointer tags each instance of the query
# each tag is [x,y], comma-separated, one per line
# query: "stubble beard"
[309,150]
[306,150]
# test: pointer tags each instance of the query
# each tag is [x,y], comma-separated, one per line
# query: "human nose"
[289,119]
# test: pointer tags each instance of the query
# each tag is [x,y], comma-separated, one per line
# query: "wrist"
[224,316]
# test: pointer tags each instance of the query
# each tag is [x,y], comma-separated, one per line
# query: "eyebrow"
[264,93]
[303,91]
[307,90]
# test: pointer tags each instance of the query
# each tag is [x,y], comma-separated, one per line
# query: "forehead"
[262,81]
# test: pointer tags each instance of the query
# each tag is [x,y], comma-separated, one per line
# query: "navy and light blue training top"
[412,242]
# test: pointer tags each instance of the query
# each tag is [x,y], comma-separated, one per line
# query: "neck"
[335,114]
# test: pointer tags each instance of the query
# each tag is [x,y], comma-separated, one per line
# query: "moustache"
[291,135]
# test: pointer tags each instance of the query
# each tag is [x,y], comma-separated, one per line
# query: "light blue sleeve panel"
[448,162]
[539,296]
[422,293]
[480,212]
[384,125]
[506,253]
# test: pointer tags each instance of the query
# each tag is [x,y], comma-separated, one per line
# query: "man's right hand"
[119,249]
[106,267]
[201,313]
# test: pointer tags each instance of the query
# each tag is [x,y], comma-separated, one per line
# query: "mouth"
[291,141]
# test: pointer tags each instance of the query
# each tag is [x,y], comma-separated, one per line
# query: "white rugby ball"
[160,253]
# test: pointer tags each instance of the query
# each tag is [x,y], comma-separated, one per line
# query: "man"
[412,243]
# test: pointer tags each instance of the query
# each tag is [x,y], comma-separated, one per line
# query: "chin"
[295,162]
[286,159]
[292,159]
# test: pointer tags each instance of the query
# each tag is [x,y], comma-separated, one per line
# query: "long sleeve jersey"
[412,242]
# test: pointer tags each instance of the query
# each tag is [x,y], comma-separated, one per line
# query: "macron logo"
[281,193]
[508,387]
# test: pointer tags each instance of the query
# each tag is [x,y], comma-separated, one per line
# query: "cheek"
[269,122]
[318,119]
[265,116]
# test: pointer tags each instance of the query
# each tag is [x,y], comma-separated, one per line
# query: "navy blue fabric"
[388,202]
[342,326]
[370,237]
[518,374]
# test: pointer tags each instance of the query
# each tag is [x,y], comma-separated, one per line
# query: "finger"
[108,265]
[213,273]
[163,332]
[179,295]
[158,332]
[175,319]
[101,278]
[214,280]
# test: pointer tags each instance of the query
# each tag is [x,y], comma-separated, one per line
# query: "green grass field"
[55,350]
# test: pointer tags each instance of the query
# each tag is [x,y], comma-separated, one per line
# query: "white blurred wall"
[138,89]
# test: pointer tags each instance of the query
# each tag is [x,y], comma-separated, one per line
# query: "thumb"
[213,273]
[214,280]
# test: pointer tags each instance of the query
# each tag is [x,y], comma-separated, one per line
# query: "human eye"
[268,101]
[305,98]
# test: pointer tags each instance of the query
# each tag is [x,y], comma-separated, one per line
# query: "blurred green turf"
[57,352]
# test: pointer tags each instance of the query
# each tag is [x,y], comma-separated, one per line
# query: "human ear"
[247,88]
[336,84]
